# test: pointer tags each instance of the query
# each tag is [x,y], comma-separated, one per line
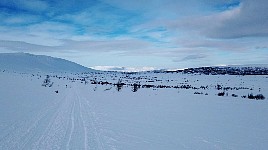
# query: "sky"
[138,33]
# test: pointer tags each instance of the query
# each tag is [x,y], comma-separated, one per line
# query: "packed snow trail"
[65,123]
[73,127]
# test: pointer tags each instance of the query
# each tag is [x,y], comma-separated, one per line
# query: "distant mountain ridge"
[229,70]
[25,62]
[250,65]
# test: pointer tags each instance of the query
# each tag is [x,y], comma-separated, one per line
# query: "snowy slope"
[98,116]
[24,62]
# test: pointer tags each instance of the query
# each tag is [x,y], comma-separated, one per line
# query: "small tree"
[119,85]
[46,82]
[136,87]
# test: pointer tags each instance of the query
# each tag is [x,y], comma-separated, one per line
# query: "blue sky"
[138,33]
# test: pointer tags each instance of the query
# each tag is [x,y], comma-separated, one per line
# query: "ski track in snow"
[23,132]
[67,123]
[57,127]
[83,121]
[72,127]
[90,124]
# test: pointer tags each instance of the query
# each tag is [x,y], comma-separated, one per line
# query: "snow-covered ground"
[109,115]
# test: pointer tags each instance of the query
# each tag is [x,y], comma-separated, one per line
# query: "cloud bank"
[161,33]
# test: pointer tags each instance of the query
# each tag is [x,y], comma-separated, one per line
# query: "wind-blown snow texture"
[100,111]
[24,62]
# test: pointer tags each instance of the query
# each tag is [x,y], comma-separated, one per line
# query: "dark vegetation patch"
[221,93]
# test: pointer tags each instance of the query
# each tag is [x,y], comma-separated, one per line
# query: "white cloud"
[170,30]
[78,46]
[44,34]
[123,69]
[20,19]
[249,19]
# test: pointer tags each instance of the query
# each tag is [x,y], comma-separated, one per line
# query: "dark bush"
[218,87]
[234,95]
[221,94]
[147,86]
[198,93]
[259,97]
[251,96]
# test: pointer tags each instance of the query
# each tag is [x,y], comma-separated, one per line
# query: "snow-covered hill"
[24,62]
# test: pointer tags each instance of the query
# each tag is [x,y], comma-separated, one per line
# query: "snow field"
[95,116]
